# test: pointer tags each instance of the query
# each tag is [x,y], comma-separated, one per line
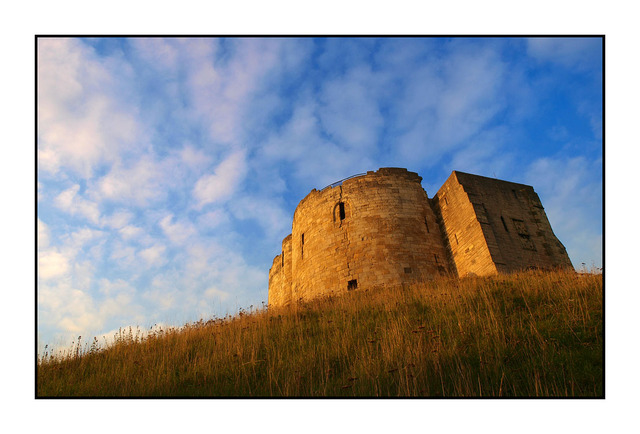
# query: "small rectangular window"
[342,214]
[352,284]
[407,270]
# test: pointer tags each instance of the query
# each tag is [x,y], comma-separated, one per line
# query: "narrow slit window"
[342,214]
[504,224]
[456,236]
[283,259]
[436,258]
[445,200]
[426,224]
[514,194]
[302,247]
[352,284]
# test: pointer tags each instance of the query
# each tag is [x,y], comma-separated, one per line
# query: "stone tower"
[381,229]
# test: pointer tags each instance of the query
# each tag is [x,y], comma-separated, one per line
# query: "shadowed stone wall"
[497,226]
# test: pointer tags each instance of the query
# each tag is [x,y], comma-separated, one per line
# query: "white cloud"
[445,103]
[121,221]
[186,289]
[160,53]
[297,136]
[130,231]
[73,203]
[81,121]
[271,217]
[163,294]
[68,308]
[119,286]
[43,235]
[194,158]
[213,218]
[52,264]
[74,313]
[311,158]
[577,53]
[76,240]
[123,254]
[350,110]
[487,153]
[221,91]
[154,255]
[40,194]
[225,180]
[118,219]
[141,183]
[214,292]
[60,261]
[572,198]
[178,232]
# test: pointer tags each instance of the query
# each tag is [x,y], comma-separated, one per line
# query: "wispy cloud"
[350,108]
[225,180]
[52,264]
[141,183]
[572,197]
[178,232]
[154,255]
[580,53]
[71,202]
[82,123]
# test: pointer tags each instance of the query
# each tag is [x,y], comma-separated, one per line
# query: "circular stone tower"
[372,230]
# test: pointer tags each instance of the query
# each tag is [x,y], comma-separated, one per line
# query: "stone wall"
[373,230]
[464,233]
[381,229]
[280,276]
[500,226]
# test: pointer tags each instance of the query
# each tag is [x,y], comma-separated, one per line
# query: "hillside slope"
[529,334]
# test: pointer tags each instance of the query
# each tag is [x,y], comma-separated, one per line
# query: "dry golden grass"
[529,334]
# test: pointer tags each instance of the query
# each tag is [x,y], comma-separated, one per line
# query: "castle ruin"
[381,229]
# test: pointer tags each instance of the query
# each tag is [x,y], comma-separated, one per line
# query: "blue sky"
[169,169]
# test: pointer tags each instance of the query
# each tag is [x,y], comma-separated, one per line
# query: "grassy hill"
[531,334]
